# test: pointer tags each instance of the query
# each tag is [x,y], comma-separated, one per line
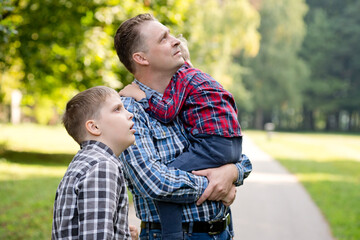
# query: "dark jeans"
[206,151]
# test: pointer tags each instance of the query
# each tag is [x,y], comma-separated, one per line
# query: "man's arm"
[244,168]
[153,179]
[222,179]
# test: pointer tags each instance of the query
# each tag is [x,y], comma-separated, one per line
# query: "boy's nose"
[131,116]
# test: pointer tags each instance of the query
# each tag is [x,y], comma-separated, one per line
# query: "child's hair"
[82,107]
[184,48]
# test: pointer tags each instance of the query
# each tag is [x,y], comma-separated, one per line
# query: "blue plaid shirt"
[91,201]
[149,179]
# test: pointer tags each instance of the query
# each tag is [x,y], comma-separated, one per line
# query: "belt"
[211,227]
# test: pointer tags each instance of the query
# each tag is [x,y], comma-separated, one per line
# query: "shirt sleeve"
[244,167]
[165,109]
[153,179]
[98,197]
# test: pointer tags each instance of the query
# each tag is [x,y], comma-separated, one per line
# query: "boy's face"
[115,124]
[163,51]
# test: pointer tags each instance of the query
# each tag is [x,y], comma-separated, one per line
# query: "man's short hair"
[128,40]
[82,107]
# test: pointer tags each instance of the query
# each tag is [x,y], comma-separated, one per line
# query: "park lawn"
[33,159]
[328,165]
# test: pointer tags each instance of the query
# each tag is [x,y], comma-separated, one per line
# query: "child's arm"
[175,95]
[133,90]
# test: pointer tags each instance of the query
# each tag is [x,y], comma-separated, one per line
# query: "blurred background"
[293,66]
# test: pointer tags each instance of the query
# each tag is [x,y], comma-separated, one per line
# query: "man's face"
[163,51]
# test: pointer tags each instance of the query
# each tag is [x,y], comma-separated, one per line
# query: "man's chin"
[181,62]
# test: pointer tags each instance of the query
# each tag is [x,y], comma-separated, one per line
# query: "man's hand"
[230,198]
[133,232]
[133,90]
[221,181]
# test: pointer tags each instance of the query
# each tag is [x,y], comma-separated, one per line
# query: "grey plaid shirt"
[91,201]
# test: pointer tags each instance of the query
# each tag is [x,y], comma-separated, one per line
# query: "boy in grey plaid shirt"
[91,201]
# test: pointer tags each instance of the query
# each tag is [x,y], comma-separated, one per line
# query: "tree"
[331,50]
[276,75]
[217,35]
[63,47]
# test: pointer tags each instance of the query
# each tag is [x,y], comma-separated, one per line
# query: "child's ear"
[140,58]
[92,128]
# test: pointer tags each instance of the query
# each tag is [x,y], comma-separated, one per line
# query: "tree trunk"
[259,119]
[308,119]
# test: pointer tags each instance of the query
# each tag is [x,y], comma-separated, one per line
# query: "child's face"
[116,124]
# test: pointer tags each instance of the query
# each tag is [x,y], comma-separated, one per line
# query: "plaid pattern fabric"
[91,201]
[148,177]
[202,104]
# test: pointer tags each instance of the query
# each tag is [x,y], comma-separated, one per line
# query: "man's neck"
[156,81]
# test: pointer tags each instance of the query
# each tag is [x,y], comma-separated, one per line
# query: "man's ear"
[92,128]
[140,58]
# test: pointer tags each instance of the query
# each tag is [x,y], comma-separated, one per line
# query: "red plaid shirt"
[202,104]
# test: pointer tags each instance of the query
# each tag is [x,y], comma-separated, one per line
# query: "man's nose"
[176,41]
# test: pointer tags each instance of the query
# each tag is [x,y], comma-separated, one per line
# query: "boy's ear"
[92,128]
[140,58]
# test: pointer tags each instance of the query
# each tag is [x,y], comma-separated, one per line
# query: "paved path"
[272,205]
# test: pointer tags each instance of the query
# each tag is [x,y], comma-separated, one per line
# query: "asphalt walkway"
[272,204]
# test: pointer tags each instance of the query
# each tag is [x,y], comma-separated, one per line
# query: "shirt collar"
[100,145]
[151,91]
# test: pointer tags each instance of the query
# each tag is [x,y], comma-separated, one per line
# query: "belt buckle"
[211,223]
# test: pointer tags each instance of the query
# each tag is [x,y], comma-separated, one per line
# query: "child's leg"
[209,152]
[171,220]
[204,152]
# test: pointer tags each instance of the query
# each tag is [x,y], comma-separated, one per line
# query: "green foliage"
[66,46]
[330,174]
[332,53]
[7,28]
[50,50]
[217,34]
[276,75]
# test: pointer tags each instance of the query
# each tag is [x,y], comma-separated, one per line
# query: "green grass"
[328,165]
[33,160]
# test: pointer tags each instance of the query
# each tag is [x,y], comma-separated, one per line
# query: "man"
[152,54]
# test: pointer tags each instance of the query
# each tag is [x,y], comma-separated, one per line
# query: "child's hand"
[133,90]
[134,232]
